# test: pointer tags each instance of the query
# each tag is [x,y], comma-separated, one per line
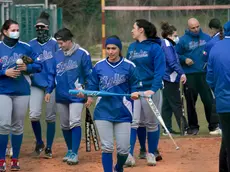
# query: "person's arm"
[51,76]
[171,59]
[158,59]
[87,68]
[133,79]
[35,66]
[180,51]
[210,75]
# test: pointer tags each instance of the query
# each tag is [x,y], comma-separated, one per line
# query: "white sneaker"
[151,159]
[217,131]
[130,162]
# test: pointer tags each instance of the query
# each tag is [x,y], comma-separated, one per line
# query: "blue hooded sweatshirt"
[46,51]
[8,56]
[149,59]
[173,70]
[191,46]
[218,72]
[71,71]
[116,78]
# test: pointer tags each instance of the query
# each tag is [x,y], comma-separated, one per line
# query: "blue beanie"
[227,29]
[114,41]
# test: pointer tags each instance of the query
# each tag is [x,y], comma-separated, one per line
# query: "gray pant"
[144,116]
[36,101]
[107,129]
[70,115]
[12,114]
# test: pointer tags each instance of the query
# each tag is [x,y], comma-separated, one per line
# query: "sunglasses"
[40,27]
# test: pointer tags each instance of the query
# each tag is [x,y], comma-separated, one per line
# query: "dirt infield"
[195,155]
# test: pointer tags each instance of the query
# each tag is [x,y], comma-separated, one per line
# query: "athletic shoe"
[142,154]
[48,153]
[67,156]
[151,159]
[73,159]
[193,131]
[38,149]
[171,132]
[15,165]
[217,131]
[130,161]
[2,165]
[158,155]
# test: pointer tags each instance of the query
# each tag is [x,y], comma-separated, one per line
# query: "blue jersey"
[150,63]
[8,57]
[173,70]
[70,71]
[119,78]
[46,51]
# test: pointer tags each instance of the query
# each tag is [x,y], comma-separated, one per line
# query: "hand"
[13,73]
[22,67]
[183,79]
[81,95]
[135,95]
[189,61]
[89,102]
[149,93]
[47,97]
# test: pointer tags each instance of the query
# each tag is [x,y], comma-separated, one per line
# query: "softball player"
[45,46]
[113,115]
[149,59]
[14,90]
[73,66]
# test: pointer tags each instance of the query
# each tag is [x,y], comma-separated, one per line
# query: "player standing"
[149,59]
[73,67]
[113,115]
[14,90]
[45,46]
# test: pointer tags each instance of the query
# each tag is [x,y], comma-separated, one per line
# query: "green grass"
[28,133]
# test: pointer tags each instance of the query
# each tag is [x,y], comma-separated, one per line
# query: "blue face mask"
[14,35]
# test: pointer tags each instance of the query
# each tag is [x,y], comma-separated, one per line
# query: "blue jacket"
[46,51]
[218,72]
[116,78]
[173,70]
[191,46]
[209,46]
[8,57]
[149,59]
[70,71]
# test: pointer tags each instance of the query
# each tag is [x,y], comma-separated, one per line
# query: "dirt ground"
[195,155]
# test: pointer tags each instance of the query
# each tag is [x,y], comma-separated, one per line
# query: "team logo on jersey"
[9,61]
[45,55]
[193,44]
[107,82]
[140,54]
[62,67]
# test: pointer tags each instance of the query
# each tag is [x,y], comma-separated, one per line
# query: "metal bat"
[96,93]
[182,120]
[93,131]
[87,131]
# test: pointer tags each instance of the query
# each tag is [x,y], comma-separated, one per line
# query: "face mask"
[14,35]
[176,39]
[43,35]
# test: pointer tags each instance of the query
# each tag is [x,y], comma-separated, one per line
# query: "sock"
[153,139]
[68,138]
[76,139]
[107,162]
[16,145]
[141,133]
[50,133]
[37,131]
[3,145]
[133,138]
[120,162]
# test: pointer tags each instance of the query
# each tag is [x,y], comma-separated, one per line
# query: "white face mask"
[176,39]
[14,35]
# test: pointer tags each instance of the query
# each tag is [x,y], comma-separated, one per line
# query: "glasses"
[40,27]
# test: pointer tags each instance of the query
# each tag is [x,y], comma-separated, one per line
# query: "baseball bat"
[87,131]
[182,120]
[96,93]
[93,131]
